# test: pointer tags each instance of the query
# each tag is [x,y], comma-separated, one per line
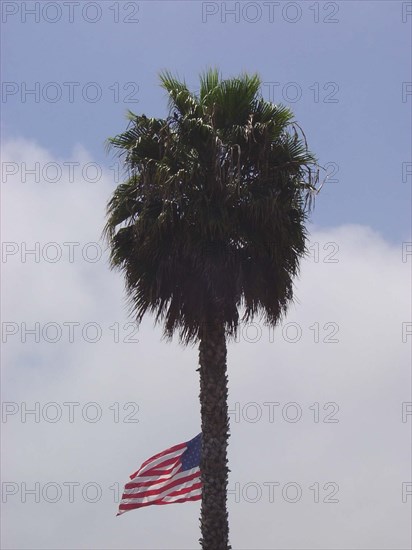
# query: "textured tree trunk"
[215,427]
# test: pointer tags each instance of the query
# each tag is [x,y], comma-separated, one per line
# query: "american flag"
[167,477]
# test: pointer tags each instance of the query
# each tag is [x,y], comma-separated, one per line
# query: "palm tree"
[209,228]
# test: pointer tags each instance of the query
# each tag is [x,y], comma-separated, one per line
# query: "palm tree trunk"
[215,427]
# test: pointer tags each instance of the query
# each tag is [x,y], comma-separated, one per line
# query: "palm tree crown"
[211,218]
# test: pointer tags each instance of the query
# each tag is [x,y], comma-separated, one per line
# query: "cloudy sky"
[321,409]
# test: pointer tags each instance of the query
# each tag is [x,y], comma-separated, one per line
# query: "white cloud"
[361,300]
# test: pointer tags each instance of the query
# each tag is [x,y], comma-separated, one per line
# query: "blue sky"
[343,347]
[347,94]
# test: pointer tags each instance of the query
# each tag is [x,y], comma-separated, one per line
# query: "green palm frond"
[209,80]
[180,98]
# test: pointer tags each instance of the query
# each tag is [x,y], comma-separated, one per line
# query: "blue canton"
[191,456]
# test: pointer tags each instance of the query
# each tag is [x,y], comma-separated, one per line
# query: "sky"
[321,407]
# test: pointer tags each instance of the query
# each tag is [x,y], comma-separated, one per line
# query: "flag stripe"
[166,494]
[197,495]
[164,460]
[178,482]
[164,500]
[152,479]
[133,488]
[162,468]
[158,455]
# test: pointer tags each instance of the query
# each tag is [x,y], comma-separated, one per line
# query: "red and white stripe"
[160,480]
